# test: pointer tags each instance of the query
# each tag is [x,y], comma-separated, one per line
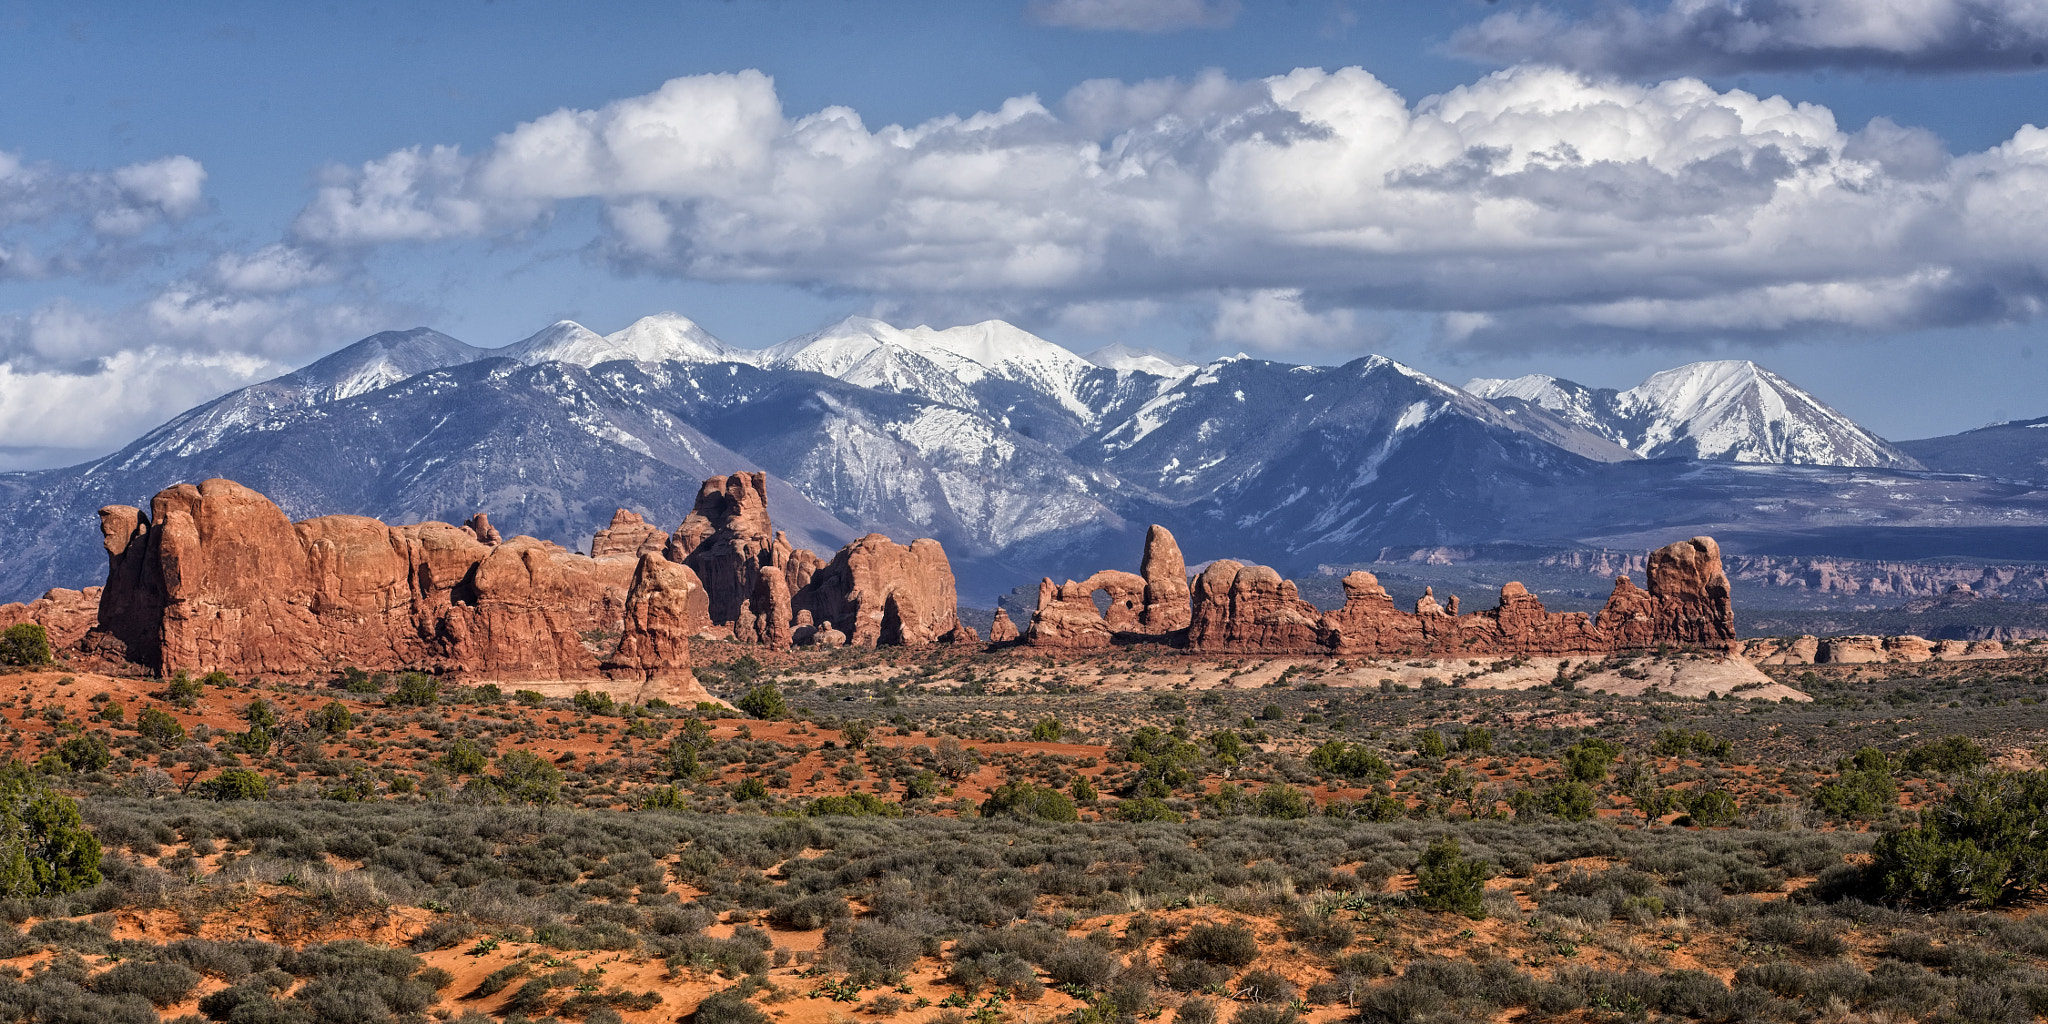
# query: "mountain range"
[1027,459]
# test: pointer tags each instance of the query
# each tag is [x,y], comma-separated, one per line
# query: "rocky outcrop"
[480,525]
[1150,605]
[1001,630]
[216,577]
[727,540]
[628,535]
[65,615]
[876,591]
[1249,609]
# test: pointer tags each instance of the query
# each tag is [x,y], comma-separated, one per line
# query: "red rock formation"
[727,540]
[480,525]
[216,577]
[65,615]
[1166,584]
[1067,618]
[1001,630]
[876,591]
[1249,609]
[803,563]
[628,534]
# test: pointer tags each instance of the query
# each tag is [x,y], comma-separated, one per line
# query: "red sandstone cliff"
[216,577]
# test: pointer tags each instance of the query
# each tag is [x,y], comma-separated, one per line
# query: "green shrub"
[665,798]
[1279,800]
[1477,739]
[45,848]
[1430,743]
[764,702]
[1570,800]
[750,788]
[1145,808]
[416,689]
[1082,790]
[1982,845]
[1024,800]
[160,727]
[1864,789]
[465,757]
[25,643]
[1944,756]
[1712,808]
[1047,730]
[85,752]
[528,778]
[333,718]
[530,698]
[1232,945]
[235,784]
[1351,760]
[1230,747]
[260,715]
[184,690]
[1587,760]
[858,805]
[596,702]
[1445,880]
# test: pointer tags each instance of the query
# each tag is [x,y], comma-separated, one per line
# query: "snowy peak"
[969,354]
[564,340]
[1737,411]
[1729,410]
[1122,357]
[672,336]
[378,361]
[651,339]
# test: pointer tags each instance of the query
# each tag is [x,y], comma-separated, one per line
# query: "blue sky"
[196,196]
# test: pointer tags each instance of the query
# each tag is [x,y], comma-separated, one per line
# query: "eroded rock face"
[480,525]
[1851,650]
[628,535]
[216,577]
[876,591]
[728,540]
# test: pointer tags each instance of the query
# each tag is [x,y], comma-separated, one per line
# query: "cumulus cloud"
[1533,206]
[1133,15]
[1708,36]
[56,221]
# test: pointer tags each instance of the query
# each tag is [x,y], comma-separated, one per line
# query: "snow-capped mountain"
[1140,360]
[1023,458]
[1728,410]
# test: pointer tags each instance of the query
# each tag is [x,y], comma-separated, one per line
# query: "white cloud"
[1133,15]
[56,221]
[1705,36]
[1275,320]
[1545,206]
[130,392]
